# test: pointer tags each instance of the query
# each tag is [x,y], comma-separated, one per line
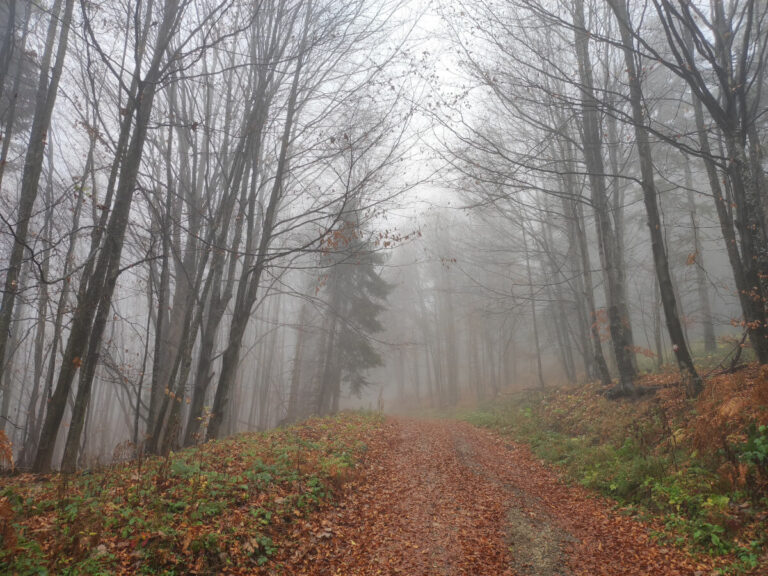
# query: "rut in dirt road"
[445,498]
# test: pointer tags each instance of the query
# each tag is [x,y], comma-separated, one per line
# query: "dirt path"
[445,498]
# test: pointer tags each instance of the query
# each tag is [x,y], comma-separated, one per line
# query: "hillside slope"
[225,507]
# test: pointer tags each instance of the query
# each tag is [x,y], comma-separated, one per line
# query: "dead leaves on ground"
[428,498]
[435,499]
[225,507]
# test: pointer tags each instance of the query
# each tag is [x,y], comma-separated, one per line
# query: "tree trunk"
[532,298]
[6,385]
[707,323]
[162,361]
[47,91]
[42,308]
[577,230]
[448,317]
[617,211]
[293,395]
[325,392]
[7,44]
[661,263]
[101,284]
[14,98]
[607,243]
[657,335]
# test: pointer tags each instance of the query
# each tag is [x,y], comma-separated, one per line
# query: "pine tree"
[356,296]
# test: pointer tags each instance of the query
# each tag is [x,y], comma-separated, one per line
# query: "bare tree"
[47,91]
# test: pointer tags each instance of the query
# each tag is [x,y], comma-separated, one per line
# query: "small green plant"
[711,537]
[262,515]
[262,547]
[26,560]
[749,556]
[755,449]
[181,469]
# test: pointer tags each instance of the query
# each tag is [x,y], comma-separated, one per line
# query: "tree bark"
[42,308]
[607,242]
[293,394]
[532,298]
[10,113]
[707,323]
[694,384]
[577,231]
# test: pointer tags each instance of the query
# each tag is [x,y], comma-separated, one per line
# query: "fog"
[227,215]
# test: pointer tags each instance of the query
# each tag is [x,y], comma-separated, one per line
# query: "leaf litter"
[445,498]
[346,496]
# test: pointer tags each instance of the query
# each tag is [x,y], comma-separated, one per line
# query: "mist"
[222,216]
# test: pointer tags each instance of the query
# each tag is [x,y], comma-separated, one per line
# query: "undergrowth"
[697,470]
[225,506]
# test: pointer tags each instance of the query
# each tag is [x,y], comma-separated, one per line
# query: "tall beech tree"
[658,247]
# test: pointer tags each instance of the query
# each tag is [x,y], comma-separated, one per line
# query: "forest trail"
[445,498]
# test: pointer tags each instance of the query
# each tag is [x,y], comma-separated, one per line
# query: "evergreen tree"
[356,296]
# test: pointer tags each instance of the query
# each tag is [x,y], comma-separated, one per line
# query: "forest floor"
[441,497]
[352,495]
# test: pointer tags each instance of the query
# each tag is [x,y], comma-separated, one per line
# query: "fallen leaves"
[424,498]
[225,507]
[446,498]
